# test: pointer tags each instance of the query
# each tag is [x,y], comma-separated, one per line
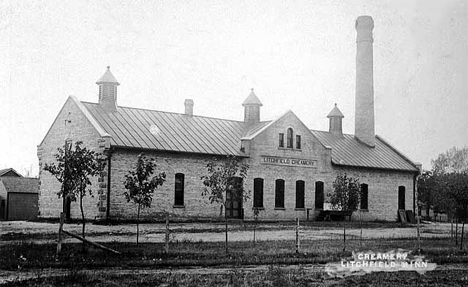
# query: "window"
[319,197]
[364,196]
[290,138]
[279,193]
[258,192]
[298,141]
[401,197]
[179,189]
[281,140]
[300,194]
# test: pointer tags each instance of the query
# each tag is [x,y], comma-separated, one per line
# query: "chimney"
[364,119]
[252,108]
[108,91]
[188,107]
[336,118]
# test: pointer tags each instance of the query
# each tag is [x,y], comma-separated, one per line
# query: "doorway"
[401,197]
[234,199]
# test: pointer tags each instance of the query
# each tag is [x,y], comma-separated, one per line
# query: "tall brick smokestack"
[364,118]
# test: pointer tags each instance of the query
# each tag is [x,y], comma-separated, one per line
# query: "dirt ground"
[212,232]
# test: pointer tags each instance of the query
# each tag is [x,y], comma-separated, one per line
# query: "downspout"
[109,156]
[414,193]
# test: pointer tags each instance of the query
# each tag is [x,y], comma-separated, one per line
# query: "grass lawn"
[273,276]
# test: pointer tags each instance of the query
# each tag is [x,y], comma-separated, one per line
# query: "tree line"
[444,188]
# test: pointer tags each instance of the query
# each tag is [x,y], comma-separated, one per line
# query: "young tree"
[140,185]
[345,197]
[224,183]
[73,169]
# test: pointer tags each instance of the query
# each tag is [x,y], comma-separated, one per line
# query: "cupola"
[252,108]
[108,91]
[336,125]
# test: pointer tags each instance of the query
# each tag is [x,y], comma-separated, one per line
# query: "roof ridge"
[199,116]
[312,130]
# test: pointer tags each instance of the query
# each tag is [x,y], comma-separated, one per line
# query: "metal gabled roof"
[150,129]
[20,184]
[348,151]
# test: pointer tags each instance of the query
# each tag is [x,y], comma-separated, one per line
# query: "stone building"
[292,167]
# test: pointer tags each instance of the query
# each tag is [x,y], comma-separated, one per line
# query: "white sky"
[297,55]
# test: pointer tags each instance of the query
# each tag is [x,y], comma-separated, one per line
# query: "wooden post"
[59,241]
[419,237]
[451,227]
[462,232]
[167,233]
[297,235]
[360,226]
[255,227]
[226,244]
[344,235]
[418,209]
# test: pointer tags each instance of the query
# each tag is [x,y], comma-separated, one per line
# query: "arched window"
[319,196]
[401,197]
[364,196]
[258,192]
[279,193]
[300,202]
[290,138]
[179,189]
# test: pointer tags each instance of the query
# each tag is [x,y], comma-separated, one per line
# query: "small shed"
[18,198]
[9,172]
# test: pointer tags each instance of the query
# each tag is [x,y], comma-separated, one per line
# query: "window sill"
[178,206]
[290,148]
[299,208]
[259,208]
[280,208]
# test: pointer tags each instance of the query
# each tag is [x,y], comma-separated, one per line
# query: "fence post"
[360,226]
[59,241]
[167,234]
[297,235]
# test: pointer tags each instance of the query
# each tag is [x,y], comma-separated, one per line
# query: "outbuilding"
[18,197]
